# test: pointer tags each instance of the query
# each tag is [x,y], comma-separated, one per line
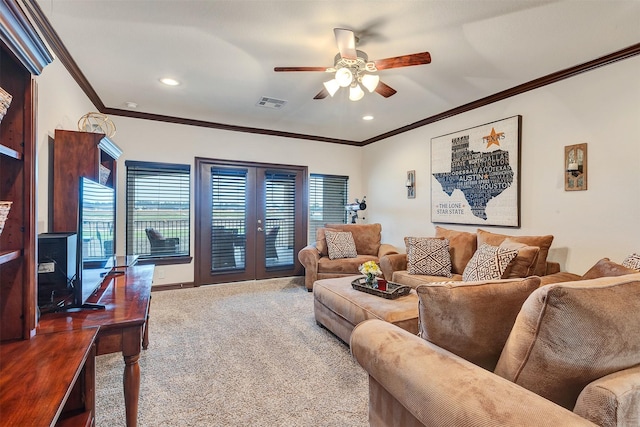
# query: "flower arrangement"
[371,270]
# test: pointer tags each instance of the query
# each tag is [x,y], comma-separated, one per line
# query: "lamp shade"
[344,77]
[370,81]
[356,93]
[332,86]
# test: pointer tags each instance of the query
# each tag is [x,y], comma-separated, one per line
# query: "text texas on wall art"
[475,175]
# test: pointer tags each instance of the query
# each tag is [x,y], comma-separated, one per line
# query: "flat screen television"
[96,232]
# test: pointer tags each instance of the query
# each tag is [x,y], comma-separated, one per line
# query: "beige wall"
[601,108]
[62,104]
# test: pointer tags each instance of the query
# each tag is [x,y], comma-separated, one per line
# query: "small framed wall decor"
[575,167]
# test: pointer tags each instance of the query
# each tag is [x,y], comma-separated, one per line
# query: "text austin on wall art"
[475,175]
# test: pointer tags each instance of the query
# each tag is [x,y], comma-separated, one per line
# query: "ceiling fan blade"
[403,61]
[300,69]
[385,90]
[346,41]
[322,94]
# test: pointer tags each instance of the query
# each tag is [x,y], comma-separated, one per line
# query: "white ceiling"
[224,53]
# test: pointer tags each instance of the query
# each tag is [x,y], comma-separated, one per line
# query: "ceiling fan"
[353,69]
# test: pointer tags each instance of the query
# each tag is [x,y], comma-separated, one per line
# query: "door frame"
[201,203]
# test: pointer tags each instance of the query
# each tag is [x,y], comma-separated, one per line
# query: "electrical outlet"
[160,272]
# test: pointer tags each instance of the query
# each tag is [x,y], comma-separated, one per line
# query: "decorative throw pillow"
[340,244]
[428,256]
[366,236]
[321,240]
[606,268]
[488,263]
[462,246]
[524,263]
[632,261]
[472,319]
[569,334]
[543,242]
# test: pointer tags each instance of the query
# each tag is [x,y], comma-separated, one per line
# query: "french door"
[250,220]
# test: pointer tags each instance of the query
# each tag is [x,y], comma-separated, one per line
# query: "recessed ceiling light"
[169,81]
[367,117]
[131,104]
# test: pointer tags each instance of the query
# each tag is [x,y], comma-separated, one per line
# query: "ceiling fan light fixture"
[344,77]
[331,86]
[370,81]
[356,93]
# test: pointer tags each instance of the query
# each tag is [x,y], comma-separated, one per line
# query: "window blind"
[228,218]
[158,209]
[327,200]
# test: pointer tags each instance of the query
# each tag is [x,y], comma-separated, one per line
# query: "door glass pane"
[228,219]
[279,229]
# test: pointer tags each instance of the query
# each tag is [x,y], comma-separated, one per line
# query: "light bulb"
[344,77]
[370,81]
[332,86]
[356,93]
[169,81]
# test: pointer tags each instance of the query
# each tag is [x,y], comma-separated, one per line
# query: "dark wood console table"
[37,377]
[121,326]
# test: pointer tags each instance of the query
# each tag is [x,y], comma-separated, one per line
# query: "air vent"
[267,102]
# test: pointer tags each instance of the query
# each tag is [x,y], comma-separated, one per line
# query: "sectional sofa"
[568,356]
[548,348]
[428,260]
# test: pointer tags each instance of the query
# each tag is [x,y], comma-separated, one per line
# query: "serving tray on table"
[391,290]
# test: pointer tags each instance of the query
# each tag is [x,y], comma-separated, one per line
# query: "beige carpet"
[244,354]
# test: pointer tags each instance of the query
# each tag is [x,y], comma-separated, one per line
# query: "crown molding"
[65,57]
[20,36]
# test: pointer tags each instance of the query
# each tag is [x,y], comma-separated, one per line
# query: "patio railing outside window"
[158,209]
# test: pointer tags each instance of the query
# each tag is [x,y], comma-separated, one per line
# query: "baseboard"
[171,286]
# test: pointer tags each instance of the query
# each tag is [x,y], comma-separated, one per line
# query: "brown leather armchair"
[315,257]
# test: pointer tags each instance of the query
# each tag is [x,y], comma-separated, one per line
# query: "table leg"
[145,336]
[131,352]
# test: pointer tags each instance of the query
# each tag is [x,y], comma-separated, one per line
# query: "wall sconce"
[575,162]
[411,184]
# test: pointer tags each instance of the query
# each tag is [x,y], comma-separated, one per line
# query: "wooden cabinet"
[77,154]
[49,380]
[22,54]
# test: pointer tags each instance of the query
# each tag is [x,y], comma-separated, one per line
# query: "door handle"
[260,229]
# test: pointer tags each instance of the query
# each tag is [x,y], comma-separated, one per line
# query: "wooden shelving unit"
[48,379]
[77,154]
[22,55]
[17,177]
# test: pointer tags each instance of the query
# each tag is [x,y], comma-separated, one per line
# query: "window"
[158,203]
[327,200]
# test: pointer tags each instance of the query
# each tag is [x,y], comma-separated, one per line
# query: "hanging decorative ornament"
[97,123]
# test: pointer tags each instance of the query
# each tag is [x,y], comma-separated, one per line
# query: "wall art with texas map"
[475,175]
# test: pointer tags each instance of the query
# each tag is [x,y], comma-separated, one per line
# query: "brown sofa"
[318,265]
[531,259]
[571,358]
